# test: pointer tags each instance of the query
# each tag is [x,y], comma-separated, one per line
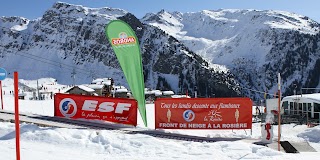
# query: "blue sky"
[32,9]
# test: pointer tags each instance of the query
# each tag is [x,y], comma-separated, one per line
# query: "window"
[309,107]
[291,108]
[316,115]
[285,107]
[304,107]
[295,108]
[300,108]
[316,107]
[285,104]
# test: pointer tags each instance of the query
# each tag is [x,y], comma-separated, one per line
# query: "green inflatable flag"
[126,47]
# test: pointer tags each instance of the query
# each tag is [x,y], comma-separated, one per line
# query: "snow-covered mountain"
[253,45]
[212,51]
[69,41]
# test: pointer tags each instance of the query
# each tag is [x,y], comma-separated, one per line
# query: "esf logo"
[92,105]
[68,107]
[188,115]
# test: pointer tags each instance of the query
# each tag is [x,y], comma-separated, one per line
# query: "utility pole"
[38,90]
[93,75]
[73,75]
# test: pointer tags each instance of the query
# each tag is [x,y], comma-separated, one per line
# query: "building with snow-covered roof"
[81,90]
[167,93]
[152,92]
[101,89]
[180,96]
[102,86]
[150,95]
[95,86]
[305,104]
[120,92]
[105,81]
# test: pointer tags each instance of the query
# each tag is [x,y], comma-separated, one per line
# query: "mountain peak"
[66,8]
[235,20]
[161,11]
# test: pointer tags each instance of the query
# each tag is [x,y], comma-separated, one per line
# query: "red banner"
[203,113]
[119,110]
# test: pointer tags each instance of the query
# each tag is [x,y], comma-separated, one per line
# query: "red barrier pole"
[1,95]
[16,115]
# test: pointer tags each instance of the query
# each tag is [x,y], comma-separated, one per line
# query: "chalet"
[150,95]
[102,86]
[100,89]
[104,81]
[120,92]
[81,90]
[167,94]
[180,96]
[21,96]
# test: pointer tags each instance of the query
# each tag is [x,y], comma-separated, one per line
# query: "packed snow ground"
[50,143]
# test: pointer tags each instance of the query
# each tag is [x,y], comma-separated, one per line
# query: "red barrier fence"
[119,110]
[203,113]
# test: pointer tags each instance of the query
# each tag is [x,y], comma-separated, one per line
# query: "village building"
[105,81]
[302,105]
[81,90]
[150,95]
[167,94]
[102,86]
[21,96]
[100,89]
[120,92]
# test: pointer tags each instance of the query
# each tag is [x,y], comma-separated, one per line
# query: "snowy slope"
[51,143]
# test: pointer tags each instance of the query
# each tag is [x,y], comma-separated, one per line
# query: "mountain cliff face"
[219,53]
[68,42]
[253,45]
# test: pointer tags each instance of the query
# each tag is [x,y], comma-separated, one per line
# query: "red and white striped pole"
[16,115]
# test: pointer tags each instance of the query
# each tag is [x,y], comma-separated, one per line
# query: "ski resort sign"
[203,113]
[3,74]
[117,110]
